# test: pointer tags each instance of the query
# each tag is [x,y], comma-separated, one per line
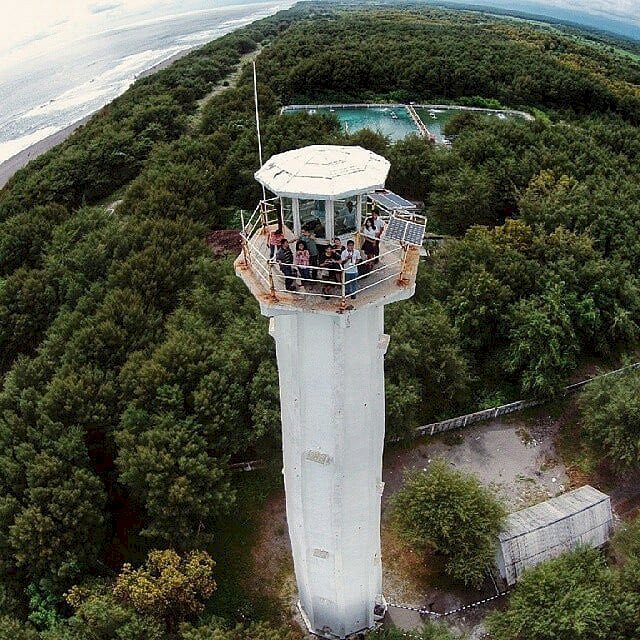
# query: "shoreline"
[24,157]
[21,159]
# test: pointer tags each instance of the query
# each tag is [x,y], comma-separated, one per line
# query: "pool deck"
[392,105]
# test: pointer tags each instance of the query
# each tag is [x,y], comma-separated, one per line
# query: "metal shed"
[548,529]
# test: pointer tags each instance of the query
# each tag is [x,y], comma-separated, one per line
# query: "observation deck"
[389,277]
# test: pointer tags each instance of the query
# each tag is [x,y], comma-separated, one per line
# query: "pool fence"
[435,107]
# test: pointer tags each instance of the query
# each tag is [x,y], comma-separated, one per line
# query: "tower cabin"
[328,326]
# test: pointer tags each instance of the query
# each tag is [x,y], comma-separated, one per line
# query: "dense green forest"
[134,365]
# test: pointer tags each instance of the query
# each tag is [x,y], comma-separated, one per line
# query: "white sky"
[624,9]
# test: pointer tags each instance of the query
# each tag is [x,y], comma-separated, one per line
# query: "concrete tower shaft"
[332,398]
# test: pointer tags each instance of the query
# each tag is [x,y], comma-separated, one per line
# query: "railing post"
[246,251]
[343,295]
[263,214]
[272,287]
[401,279]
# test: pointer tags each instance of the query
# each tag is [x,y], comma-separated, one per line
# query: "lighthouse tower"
[330,345]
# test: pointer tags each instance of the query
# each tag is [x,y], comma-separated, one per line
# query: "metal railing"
[322,281]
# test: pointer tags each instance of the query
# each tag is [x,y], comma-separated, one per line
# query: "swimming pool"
[394,121]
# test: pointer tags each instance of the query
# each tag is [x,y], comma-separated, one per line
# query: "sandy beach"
[21,159]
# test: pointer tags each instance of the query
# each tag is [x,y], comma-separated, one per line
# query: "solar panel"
[383,201]
[415,233]
[400,230]
[390,200]
[395,229]
[399,202]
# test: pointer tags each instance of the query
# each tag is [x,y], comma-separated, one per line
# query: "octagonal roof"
[323,172]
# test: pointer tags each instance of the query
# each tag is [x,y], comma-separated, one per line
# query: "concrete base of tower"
[354,635]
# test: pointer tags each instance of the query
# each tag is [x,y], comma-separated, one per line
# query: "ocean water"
[74,63]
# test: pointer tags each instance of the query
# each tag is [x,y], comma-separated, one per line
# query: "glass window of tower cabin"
[313,217]
[344,217]
[287,212]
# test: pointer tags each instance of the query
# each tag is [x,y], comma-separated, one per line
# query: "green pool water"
[436,124]
[381,120]
[378,119]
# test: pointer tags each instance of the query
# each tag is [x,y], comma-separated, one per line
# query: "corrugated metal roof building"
[548,529]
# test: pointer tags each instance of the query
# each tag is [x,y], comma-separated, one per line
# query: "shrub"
[451,513]
[575,596]
[431,631]
[610,411]
[254,631]
[167,587]
[625,545]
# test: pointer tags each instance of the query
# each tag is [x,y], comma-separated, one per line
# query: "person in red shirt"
[301,260]
[274,240]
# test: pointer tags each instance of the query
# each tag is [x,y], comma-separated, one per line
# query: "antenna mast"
[255,95]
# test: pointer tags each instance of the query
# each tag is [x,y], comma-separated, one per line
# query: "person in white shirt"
[370,241]
[378,225]
[349,260]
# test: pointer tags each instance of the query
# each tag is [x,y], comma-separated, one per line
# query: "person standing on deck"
[274,240]
[284,257]
[331,271]
[378,225]
[312,248]
[338,246]
[301,260]
[370,241]
[349,261]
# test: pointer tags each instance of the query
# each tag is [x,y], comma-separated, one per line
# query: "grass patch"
[413,572]
[236,535]
[580,460]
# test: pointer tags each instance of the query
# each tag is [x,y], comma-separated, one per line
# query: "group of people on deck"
[311,262]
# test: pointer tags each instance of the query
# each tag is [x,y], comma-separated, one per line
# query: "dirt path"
[228,82]
[519,464]
[515,457]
